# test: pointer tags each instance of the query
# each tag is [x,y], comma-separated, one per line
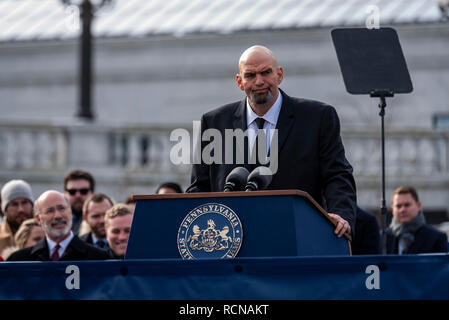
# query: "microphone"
[236,179]
[259,179]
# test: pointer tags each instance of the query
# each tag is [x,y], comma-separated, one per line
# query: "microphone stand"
[382,105]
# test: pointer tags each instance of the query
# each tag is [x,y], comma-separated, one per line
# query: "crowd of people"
[82,224]
[76,224]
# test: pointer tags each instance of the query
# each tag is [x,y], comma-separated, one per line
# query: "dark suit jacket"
[311,155]
[87,238]
[366,239]
[114,255]
[76,250]
[427,240]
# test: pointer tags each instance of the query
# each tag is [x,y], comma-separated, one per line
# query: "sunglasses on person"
[82,191]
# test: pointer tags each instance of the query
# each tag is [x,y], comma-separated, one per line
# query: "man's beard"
[21,217]
[13,224]
[77,208]
[100,233]
[262,98]
[58,234]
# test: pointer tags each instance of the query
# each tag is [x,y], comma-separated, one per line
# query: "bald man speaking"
[302,137]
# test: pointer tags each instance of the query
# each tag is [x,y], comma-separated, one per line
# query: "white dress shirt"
[95,240]
[271,118]
[63,245]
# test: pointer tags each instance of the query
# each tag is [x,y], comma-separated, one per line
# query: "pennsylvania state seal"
[210,231]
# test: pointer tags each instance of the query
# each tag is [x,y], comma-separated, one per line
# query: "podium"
[284,255]
[284,223]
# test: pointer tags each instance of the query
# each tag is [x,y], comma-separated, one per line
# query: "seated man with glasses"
[53,213]
[78,186]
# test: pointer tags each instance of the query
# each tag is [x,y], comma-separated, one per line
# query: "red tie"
[55,255]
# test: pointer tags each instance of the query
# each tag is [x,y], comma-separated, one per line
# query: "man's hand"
[342,226]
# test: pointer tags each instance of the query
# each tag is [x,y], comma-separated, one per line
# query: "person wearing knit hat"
[17,206]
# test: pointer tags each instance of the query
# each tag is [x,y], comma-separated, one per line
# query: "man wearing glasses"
[78,186]
[53,213]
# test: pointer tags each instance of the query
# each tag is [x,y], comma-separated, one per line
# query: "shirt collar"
[272,114]
[63,244]
[95,239]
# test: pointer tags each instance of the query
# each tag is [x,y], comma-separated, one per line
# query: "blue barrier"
[328,277]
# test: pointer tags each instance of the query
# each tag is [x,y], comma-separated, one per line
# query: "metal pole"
[382,106]
[85,110]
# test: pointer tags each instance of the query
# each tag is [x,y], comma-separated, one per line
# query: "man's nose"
[259,80]
[21,208]
[123,236]
[58,213]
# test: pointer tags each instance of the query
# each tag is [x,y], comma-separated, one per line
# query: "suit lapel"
[415,247]
[240,122]
[68,252]
[41,251]
[285,120]
[90,240]
[75,248]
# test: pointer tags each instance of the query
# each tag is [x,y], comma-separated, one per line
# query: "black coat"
[87,238]
[311,154]
[427,240]
[114,255]
[366,239]
[76,250]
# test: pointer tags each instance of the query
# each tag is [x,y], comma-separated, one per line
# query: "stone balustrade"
[407,152]
[32,147]
[129,159]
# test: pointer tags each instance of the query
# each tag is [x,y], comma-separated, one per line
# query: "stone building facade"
[148,85]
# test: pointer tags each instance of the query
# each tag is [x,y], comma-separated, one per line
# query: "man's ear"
[238,80]
[280,73]
[36,216]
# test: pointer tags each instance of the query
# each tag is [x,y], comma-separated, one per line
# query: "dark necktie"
[100,244]
[260,122]
[260,132]
[55,255]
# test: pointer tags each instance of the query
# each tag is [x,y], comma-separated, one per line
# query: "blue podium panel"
[273,224]
[315,237]
[291,278]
